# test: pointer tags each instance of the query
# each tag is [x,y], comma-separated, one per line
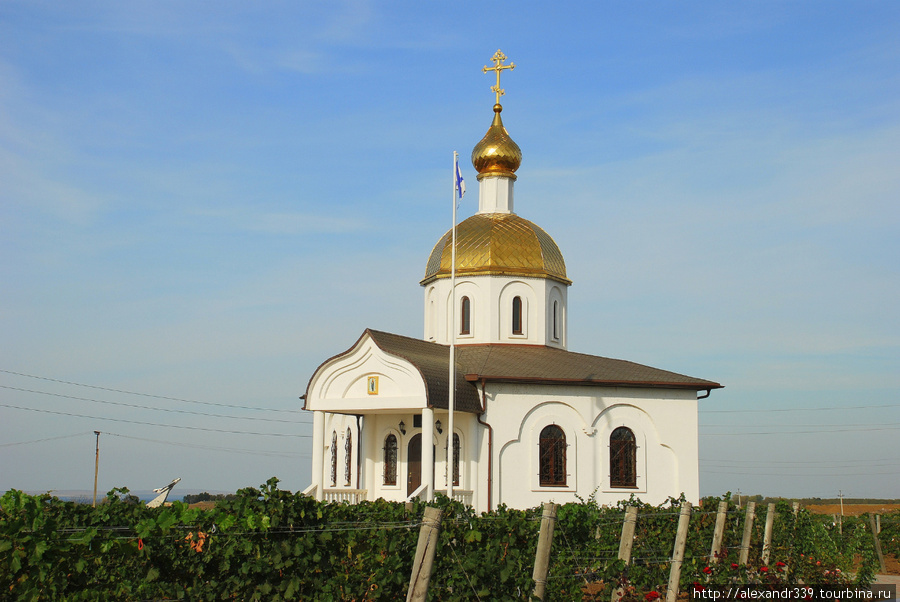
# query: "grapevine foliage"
[271,544]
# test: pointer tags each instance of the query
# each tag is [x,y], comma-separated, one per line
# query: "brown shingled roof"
[539,364]
[522,363]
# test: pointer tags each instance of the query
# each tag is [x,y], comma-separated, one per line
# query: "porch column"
[428,452]
[372,447]
[318,454]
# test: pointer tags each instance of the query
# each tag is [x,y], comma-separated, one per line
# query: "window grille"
[622,458]
[390,460]
[334,458]
[348,458]
[555,320]
[456,448]
[465,318]
[552,457]
[517,315]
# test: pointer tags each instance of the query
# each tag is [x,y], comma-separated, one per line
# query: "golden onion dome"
[497,153]
[498,244]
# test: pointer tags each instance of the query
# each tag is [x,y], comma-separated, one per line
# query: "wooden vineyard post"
[874,528]
[542,558]
[796,508]
[424,561]
[767,537]
[748,532]
[719,533]
[626,543]
[684,520]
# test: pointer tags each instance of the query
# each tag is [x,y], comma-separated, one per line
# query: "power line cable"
[812,470]
[750,426]
[797,461]
[827,409]
[174,426]
[842,475]
[46,439]
[140,407]
[813,467]
[283,454]
[208,403]
[856,430]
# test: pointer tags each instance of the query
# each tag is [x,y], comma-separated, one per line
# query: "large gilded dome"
[498,244]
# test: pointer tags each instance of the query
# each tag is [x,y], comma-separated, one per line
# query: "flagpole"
[452,392]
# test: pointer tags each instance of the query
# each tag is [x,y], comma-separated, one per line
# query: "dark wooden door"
[414,464]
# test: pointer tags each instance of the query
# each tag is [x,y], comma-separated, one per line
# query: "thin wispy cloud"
[211,200]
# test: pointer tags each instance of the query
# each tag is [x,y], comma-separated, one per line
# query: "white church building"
[533,421]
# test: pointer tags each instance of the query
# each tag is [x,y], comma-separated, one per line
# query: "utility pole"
[841,495]
[96,468]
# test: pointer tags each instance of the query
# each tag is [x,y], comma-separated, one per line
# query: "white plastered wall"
[558,337]
[338,425]
[491,310]
[342,384]
[664,423]
[379,426]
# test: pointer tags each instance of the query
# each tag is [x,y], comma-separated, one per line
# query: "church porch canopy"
[388,373]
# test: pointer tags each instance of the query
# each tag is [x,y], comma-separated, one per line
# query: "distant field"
[852,509]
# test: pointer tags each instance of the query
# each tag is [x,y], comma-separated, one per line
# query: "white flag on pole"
[460,183]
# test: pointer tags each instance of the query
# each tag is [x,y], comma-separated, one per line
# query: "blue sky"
[204,201]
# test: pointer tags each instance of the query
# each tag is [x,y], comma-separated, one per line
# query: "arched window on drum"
[517,316]
[465,316]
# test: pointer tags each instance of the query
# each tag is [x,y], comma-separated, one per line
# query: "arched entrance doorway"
[414,464]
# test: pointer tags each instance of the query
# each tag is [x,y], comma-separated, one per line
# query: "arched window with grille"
[517,315]
[622,458]
[552,446]
[456,449]
[390,460]
[334,458]
[348,458]
[556,320]
[465,316]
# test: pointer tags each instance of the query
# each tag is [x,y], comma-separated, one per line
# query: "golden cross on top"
[498,59]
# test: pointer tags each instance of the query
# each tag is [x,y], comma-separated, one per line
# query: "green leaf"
[166,520]
[227,522]
[39,549]
[292,586]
